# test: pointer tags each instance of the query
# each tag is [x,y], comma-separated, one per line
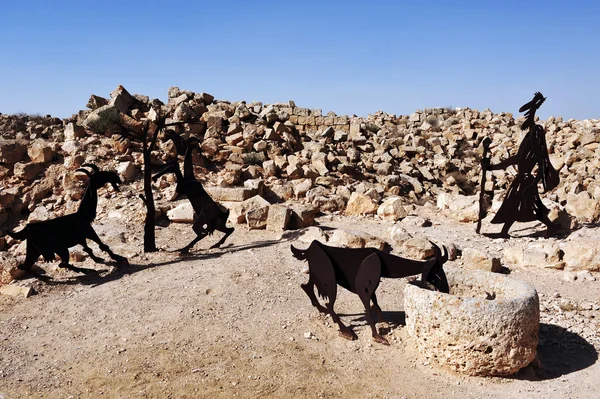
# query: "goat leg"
[200,231]
[367,281]
[91,234]
[64,262]
[227,231]
[377,309]
[186,250]
[89,251]
[345,331]
[309,288]
[26,268]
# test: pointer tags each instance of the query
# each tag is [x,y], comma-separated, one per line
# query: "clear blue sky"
[350,57]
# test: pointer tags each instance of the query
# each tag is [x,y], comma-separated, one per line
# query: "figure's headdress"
[531,107]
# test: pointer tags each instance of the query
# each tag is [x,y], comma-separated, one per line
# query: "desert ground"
[233,322]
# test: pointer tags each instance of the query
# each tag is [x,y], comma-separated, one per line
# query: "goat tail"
[299,253]
[19,235]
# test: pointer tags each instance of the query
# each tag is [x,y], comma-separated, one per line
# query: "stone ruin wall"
[334,163]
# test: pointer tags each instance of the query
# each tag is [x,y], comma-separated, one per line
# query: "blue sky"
[350,57]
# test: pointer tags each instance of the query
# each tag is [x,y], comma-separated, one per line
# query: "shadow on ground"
[560,352]
[97,277]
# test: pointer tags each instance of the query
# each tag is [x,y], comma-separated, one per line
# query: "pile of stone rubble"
[257,155]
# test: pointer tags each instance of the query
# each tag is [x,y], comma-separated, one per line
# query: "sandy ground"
[233,322]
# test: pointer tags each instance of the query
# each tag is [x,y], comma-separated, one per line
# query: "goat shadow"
[539,233]
[393,319]
[97,277]
[560,352]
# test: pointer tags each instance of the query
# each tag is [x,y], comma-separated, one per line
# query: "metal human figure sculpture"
[522,202]
[359,270]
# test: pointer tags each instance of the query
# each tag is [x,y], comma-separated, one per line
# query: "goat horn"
[91,165]
[87,172]
[437,250]
[445,257]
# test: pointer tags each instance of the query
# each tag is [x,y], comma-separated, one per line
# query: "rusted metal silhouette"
[522,202]
[209,215]
[359,270]
[484,165]
[55,236]
[148,137]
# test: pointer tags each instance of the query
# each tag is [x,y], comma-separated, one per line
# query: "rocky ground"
[233,322]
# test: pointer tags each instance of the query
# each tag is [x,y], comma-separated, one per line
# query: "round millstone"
[488,325]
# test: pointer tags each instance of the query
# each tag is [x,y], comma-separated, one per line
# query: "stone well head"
[488,325]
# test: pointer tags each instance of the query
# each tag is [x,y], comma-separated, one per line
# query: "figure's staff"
[485,162]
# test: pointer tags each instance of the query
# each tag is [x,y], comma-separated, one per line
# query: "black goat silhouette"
[359,270]
[56,236]
[209,215]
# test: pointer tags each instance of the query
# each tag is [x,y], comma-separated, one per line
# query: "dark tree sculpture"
[148,137]
[209,215]
[56,236]
[359,270]
[522,202]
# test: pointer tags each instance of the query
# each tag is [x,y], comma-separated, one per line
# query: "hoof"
[123,262]
[379,339]
[18,274]
[349,335]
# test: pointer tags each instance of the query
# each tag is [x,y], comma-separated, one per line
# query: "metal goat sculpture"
[209,215]
[55,236]
[522,202]
[360,270]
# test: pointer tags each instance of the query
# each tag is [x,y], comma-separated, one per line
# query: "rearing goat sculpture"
[209,215]
[359,270]
[56,236]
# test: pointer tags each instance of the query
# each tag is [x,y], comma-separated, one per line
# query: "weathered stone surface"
[278,218]
[392,209]
[477,259]
[463,208]
[121,99]
[15,290]
[183,213]
[547,255]
[585,208]
[40,152]
[582,255]
[27,171]
[103,119]
[360,204]
[418,248]
[236,194]
[39,214]
[470,334]
[12,151]
[74,131]
[314,233]
[237,211]
[301,187]
[398,236]
[356,239]
[96,102]
[127,170]
[257,218]
[303,215]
